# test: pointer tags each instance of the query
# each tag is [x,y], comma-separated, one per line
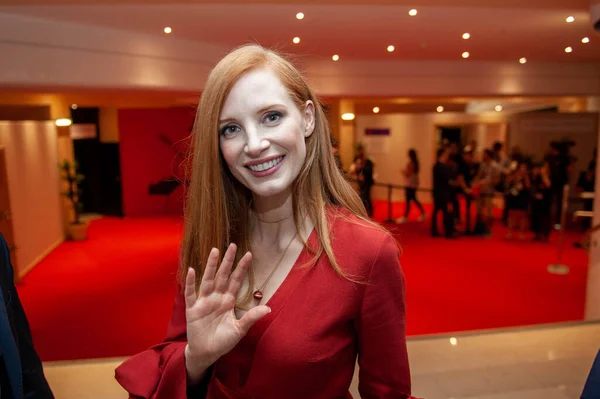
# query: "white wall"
[407,131]
[485,135]
[418,131]
[33,185]
[534,132]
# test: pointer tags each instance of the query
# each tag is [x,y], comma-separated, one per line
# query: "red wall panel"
[146,158]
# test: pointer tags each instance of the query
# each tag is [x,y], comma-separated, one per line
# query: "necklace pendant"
[257,295]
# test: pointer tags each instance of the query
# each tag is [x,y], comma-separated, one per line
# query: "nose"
[255,143]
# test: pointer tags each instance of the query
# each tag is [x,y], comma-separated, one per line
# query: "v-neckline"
[277,301]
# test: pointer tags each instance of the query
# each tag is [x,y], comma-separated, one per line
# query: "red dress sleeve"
[381,327]
[159,372]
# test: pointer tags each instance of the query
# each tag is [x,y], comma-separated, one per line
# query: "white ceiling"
[359,31]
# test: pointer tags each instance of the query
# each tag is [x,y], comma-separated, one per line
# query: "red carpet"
[111,295]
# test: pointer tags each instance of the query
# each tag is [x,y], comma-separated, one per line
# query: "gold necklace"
[275,221]
[258,295]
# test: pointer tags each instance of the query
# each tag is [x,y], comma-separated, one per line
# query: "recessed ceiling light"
[570,19]
[349,116]
[63,122]
[466,54]
[585,40]
[412,12]
[569,49]
[466,36]
[440,109]
[390,48]
[335,57]
[523,60]
[296,40]
[168,30]
[73,106]
[498,108]
[375,110]
[300,15]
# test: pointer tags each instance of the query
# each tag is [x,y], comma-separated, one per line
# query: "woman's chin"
[266,190]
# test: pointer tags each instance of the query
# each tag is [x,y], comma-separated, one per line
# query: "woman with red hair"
[285,281]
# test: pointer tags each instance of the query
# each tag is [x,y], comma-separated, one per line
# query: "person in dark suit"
[362,169]
[366,181]
[591,390]
[21,373]
[442,195]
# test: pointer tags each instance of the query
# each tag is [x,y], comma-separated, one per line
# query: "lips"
[264,166]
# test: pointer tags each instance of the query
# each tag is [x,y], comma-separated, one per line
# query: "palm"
[212,327]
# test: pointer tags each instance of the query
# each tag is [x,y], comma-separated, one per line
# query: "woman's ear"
[309,118]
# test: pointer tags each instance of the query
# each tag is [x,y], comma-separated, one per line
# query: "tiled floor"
[549,363]
[537,363]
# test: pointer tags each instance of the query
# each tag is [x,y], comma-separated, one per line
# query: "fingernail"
[269,310]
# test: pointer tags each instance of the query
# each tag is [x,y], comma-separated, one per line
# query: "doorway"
[450,134]
[100,164]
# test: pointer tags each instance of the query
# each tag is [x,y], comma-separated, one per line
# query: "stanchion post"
[389,219]
[558,267]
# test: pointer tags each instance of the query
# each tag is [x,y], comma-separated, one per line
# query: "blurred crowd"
[529,191]
[469,184]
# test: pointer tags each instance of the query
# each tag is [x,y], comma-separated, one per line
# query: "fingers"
[208,279]
[251,317]
[222,278]
[235,281]
[190,288]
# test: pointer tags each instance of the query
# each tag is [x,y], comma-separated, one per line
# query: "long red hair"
[218,207]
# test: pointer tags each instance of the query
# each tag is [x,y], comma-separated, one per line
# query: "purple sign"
[377,132]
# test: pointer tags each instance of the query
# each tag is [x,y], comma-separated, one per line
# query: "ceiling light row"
[585,40]
[413,12]
[569,49]
[296,40]
[376,110]
[439,109]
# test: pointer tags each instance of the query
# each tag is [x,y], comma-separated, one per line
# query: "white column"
[592,299]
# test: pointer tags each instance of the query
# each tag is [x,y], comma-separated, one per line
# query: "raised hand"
[212,327]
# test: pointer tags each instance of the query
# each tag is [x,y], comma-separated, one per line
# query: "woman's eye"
[229,130]
[273,117]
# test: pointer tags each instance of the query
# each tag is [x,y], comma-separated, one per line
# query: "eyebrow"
[259,111]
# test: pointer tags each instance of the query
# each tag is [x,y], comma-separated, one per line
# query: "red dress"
[307,346]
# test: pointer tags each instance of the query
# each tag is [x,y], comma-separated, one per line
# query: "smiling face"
[262,133]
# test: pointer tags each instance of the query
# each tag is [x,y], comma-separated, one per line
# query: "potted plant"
[77,228]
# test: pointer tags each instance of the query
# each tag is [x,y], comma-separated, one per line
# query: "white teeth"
[266,165]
